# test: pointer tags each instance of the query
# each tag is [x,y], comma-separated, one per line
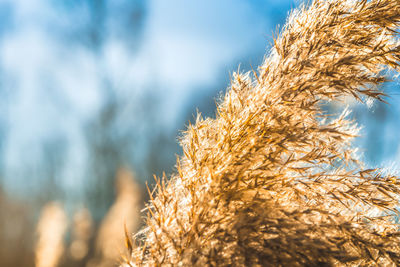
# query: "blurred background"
[93,95]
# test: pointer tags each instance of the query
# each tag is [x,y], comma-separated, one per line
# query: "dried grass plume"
[124,211]
[51,229]
[82,230]
[273,179]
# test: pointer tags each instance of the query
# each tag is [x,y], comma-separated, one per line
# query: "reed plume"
[82,230]
[51,229]
[124,211]
[273,179]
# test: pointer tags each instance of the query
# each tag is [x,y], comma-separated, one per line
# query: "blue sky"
[51,77]
[54,81]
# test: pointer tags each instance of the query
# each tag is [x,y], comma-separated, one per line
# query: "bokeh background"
[93,97]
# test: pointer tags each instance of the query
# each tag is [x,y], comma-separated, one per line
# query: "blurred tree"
[84,26]
[107,140]
[53,157]
[3,126]
[106,148]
